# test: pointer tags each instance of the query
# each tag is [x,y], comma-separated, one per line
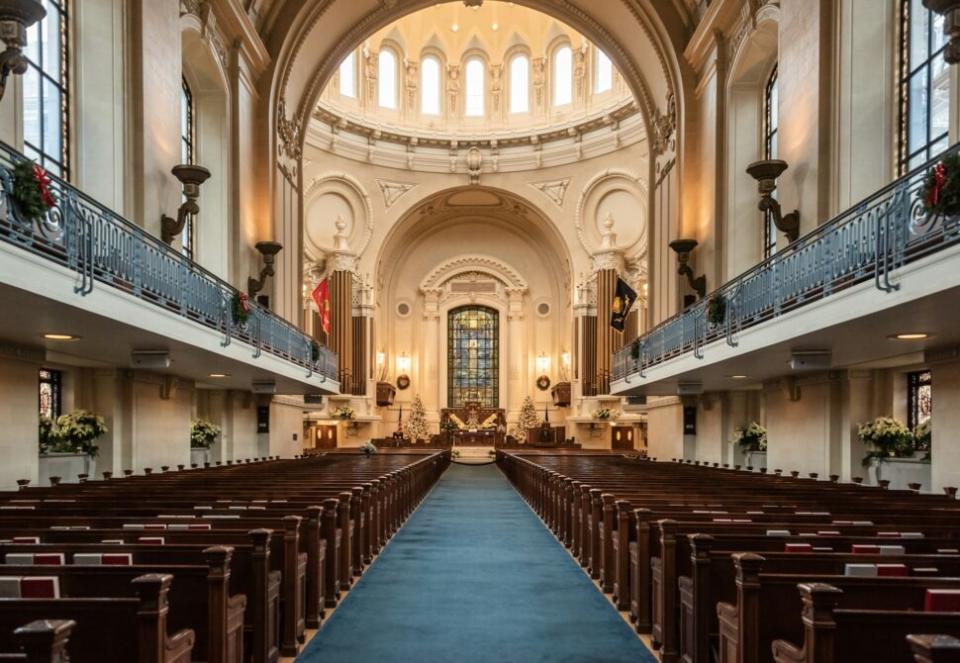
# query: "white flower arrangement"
[886,437]
[752,437]
[78,430]
[344,412]
[368,448]
[203,434]
[923,434]
[605,413]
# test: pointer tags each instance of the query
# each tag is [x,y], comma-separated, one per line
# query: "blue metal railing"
[103,248]
[867,242]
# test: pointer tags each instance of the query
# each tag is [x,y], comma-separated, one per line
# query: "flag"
[321,295]
[622,302]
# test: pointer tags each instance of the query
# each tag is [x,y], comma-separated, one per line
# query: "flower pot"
[67,466]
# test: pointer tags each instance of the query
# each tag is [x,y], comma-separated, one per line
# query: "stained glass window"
[473,357]
[50,386]
[924,86]
[919,398]
[45,101]
[771,99]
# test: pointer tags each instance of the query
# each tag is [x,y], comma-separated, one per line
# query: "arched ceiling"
[642,37]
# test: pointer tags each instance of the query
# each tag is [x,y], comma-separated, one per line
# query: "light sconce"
[684,247]
[191,177]
[269,251]
[381,366]
[15,17]
[565,362]
[403,371]
[950,10]
[766,172]
[543,363]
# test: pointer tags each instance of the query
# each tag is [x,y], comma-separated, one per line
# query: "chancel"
[479,331]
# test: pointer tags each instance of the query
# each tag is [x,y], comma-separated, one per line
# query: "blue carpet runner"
[474,576]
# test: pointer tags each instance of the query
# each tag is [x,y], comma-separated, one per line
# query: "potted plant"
[890,452]
[344,413]
[368,448]
[448,427]
[203,434]
[752,440]
[68,446]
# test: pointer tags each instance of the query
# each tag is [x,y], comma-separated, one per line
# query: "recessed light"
[455,27]
[60,337]
[219,375]
[911,336]
[738,377]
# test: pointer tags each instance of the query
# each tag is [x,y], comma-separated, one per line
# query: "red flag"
[321,295]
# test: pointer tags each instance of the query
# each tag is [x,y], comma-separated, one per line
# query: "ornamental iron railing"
[104,249]
[868,242]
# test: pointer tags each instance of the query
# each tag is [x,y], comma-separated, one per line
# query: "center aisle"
[474,576]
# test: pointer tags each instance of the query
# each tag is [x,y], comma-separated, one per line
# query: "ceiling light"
[455,27]
[219,375]
[738,377]
[60,337]
[495,26]
[910,336]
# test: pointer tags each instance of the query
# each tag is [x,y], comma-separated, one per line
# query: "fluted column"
[518,358]
[431,350]
[607,263]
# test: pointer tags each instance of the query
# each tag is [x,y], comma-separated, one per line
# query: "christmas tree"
[416,428]
[528,420]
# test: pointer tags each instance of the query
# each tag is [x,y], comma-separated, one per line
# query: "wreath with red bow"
[940,194]
[241,308]
[31,190]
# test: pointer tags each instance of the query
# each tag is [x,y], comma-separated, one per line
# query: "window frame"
[54,378]
[457,394]
[771,129]
[481,112]
[917,380]
[511,89]
[906,72]
[188,143]
[423,88]
[381,85]
[555,78]
[36,42]
[600,58]
[351,58]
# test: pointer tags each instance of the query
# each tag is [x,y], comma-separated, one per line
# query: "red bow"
[43,183]
[939,180]
[244,302]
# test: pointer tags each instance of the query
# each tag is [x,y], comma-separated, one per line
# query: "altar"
[475,426]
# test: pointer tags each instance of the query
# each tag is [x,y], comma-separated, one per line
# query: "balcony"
[123,289]
[878,268]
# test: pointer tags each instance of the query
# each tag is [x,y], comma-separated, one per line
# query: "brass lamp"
[269,251]
[15,17]
[684,247]
[766,172]
[191,177]
[950,10]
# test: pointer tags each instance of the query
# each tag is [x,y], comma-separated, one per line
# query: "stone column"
[518,358]
[607,264]
[431,349]
[342,264]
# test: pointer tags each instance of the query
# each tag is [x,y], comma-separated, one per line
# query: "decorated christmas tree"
[416,426]
[528,420]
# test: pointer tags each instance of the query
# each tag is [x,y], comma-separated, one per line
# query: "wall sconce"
[403,370]
[15,17]
[269,251]
[565,362]
[766,172]
[950,10]
[191,177]
[684,247]
[381,366]
[543,363]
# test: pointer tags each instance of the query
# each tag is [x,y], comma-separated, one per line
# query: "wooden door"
[622,438]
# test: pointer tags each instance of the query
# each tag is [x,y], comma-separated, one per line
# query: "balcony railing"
[105,249]
[865,243]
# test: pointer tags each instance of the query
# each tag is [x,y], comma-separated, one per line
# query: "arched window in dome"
[562,76]
[604,72]
[387,75]
[348,75]
[430,86]
[520,84]
[475,84]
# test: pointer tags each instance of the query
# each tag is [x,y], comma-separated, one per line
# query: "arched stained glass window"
[387,73]
[348,75]
[430,86]
[562,76]
[473,357]
[519,84]
[475,83]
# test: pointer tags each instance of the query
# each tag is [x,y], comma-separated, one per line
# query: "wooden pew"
[109,629]
[41,641]
[835,635]
[934,648]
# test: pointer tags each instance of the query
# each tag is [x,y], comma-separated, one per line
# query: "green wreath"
[240,308]
[543,383]
[940,194]
[717,309]
[31,190]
